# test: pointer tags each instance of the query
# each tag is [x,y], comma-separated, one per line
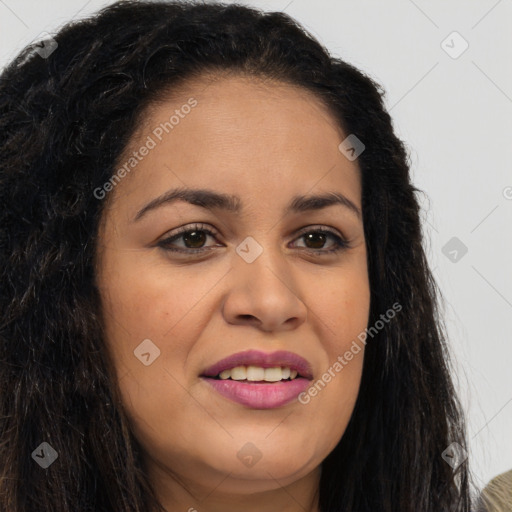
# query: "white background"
[455,116]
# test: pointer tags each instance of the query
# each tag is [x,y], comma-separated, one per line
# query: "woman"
[215,294]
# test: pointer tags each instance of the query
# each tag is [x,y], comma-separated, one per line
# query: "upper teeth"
[256,373]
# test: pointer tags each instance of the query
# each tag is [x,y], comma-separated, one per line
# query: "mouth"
[259,380]
[253,366]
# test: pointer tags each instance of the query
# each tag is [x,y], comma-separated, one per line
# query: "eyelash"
[341,244]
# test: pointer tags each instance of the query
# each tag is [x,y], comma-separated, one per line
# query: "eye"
[193,237]
[315,239]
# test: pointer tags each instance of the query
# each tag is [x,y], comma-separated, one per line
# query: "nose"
[264,294]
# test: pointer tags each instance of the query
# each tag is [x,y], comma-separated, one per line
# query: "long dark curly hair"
[65,119]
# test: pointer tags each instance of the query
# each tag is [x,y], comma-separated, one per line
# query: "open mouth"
[259,380]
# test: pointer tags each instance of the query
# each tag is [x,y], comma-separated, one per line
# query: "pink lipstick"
[260,380]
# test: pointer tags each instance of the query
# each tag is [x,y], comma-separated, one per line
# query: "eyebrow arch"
[210,199]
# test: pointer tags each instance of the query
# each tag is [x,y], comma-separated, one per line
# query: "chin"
[268,476]
[277,468]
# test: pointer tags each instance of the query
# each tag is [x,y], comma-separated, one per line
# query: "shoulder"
[497,494]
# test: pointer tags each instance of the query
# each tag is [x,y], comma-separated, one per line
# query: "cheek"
[143,300]
[329,401]
[344,316]
[343,307]
[145,314]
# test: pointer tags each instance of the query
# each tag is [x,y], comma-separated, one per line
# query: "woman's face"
[265,279]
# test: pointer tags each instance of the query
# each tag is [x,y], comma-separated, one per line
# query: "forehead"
[239,132]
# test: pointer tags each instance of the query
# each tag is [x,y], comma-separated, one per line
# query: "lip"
[264,360]
[259,396]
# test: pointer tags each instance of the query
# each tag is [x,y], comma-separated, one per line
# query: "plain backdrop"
[452,106]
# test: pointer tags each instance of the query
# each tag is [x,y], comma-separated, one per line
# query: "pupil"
[196,237]
[311,237]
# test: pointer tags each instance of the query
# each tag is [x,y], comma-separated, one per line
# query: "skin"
[265,142]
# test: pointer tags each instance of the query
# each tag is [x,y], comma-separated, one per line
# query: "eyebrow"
[210,199]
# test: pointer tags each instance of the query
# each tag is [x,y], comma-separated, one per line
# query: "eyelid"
[321,227]
[195,226]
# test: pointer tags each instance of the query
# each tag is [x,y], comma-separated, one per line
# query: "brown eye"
[315,239]
[193,240]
